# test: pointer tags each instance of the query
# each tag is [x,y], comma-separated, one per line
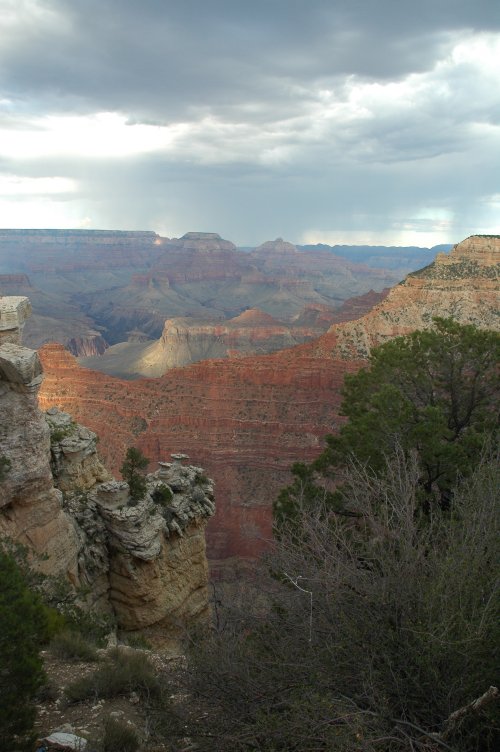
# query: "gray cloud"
[296,116]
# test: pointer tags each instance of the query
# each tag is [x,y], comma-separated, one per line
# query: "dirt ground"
[86,718]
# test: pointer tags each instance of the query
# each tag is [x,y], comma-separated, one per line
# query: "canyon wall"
[185,341]
[249,419]
[141,560]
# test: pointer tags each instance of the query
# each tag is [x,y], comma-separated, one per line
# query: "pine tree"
[23,627]
[132,471]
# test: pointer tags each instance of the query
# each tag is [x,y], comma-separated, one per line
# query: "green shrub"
[122,672]
[137,641]
[118,737]
[162,495]
[22,630]
[132,470]
[72,646]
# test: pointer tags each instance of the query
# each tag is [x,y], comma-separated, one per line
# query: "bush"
[122,672]
[72,646]
[137,641]
[379,627]
[22,630]
[132,471]
[118,737]
[162,495]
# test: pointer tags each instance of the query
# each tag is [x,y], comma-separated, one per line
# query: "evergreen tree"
[132,471]
[23,627]
[434,392]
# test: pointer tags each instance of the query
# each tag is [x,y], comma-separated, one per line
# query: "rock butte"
[143,562]
[186,340]
[248,420]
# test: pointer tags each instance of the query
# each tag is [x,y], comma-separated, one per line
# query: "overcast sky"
[340,121]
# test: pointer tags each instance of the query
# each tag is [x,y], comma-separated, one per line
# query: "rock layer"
[248,419]
[185,341]
[143,561]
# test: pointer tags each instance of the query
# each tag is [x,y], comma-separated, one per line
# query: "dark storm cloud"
[278,117]
[163,59]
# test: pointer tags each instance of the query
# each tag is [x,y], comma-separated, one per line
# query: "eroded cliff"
[144,561]
[249,419]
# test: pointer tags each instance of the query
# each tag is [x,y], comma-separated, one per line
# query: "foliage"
[132,471]
[5,465]
[72,646]
[378,628]
[435,392]
[23,627]
[58,598]
[122,672]
[162,494]
[117,737]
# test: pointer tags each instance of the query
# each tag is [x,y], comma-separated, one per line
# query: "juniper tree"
[132,471]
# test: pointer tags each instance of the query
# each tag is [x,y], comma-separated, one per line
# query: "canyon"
[91,289]
[253,332]
[248,419]
[139,560]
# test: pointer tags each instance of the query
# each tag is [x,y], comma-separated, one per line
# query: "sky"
[335,121]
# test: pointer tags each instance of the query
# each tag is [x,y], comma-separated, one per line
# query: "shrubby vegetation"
[132,471]
[23,628]
[379,627]
[434,393]
[375,626]
[123,671]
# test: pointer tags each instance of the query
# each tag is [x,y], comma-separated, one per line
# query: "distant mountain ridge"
[387,257]
[93,288]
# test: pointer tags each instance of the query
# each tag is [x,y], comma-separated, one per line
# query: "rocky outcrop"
[146,558]
[30,505]
[186,341]
[87,345]
[249,419]
[463,284]
[13,314]
[144,561]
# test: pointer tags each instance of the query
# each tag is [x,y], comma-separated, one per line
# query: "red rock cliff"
[247,420]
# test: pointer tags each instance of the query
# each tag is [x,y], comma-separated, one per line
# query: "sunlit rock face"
[463,284]
[30,505]
[247,420]
[143,562]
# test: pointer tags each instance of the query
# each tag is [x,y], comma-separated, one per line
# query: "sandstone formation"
[185,341]
[249,419]
[13,314]
[54,319]
[142,561]
[463,285]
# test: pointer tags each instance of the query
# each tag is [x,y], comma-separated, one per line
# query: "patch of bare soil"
[86,718]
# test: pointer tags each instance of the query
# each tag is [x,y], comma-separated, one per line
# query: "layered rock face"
[463,285]
[249,419]
[203,275]
[185,341]
[143,561]
[89,288]
[30,505]
[54,320]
